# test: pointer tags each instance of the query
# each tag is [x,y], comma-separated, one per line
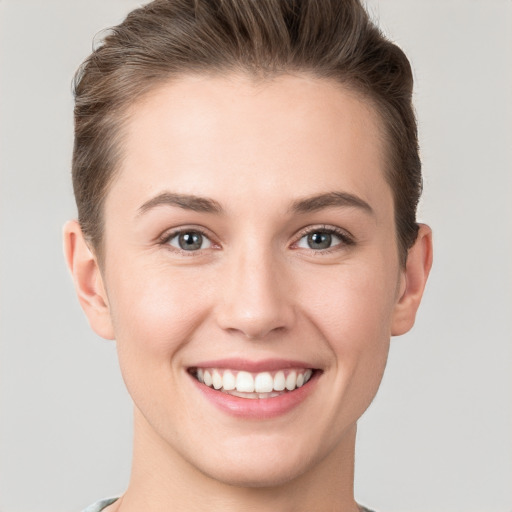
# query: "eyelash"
[346,239]
[169,235]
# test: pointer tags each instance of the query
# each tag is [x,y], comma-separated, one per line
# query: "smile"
[255,390]
[250,385]
[253,385]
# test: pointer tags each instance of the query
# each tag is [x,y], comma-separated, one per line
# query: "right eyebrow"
[185,201]
[331,199]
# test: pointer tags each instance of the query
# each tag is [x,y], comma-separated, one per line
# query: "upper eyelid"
[168,234]
[323,227]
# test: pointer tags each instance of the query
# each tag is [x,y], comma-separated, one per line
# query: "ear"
[413,280]
[88,280]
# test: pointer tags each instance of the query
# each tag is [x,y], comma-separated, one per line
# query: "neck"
[163,480]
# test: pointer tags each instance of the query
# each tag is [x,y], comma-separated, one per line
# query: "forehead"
[236,138]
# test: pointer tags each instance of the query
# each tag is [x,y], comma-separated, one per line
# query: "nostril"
[256,324]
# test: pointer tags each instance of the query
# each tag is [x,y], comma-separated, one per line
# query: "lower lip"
[257,408]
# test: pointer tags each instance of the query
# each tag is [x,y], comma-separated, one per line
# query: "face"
[250,246]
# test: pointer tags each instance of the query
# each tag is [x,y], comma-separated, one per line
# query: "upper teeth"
[245,382]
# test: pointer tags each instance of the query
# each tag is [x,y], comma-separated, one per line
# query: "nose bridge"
[256,298]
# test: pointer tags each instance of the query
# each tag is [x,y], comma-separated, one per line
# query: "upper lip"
[253,366]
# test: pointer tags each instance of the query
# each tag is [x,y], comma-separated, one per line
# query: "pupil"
[319,240]
[191,241]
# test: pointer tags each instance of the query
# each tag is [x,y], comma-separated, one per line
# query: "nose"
[257,296]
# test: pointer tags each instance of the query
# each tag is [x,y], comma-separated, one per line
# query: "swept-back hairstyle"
[328,39]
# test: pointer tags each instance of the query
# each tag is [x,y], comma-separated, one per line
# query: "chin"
[259,465]
[258,475]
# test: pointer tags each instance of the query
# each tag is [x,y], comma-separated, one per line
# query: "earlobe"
[88,280]
[419,262]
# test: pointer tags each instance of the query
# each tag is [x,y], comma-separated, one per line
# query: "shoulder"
[100,505]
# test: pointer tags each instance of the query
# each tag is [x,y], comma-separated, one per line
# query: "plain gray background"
[438,437]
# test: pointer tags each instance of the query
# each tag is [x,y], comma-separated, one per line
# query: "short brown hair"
[333,39]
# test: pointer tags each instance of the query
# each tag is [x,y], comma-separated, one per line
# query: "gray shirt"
[100,505]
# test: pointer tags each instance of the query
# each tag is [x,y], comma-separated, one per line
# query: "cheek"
[353,311]
[352,305]
[352,308]
[154,314]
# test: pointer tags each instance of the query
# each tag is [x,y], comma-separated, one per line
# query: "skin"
[255,290]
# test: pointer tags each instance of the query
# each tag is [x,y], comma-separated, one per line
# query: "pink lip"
[265,365]
[258,409]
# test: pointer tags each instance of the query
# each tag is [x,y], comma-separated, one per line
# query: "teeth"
[245,382]
[279,381]
[207,378]
[291,381]
[217,379]
[229,381]
[264,383]
[268,395]
[248,385]
[244,395]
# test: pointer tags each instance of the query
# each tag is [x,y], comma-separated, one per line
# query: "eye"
[189,240]
[322,239]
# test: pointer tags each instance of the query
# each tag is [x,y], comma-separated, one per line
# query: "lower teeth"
[241,394]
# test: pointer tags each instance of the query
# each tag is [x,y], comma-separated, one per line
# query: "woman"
[247,176]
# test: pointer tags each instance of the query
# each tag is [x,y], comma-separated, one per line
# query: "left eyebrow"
[185,201]
[336,199]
